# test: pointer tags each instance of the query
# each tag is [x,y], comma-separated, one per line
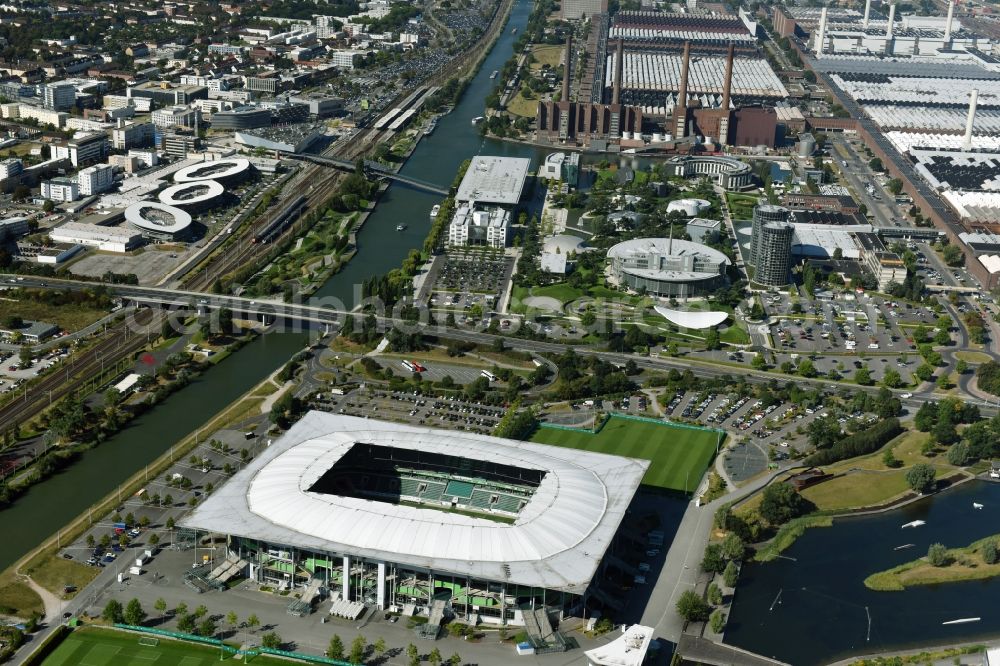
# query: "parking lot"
[450,413]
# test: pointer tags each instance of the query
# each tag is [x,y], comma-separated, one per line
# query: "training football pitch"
[679,455]
[94,646]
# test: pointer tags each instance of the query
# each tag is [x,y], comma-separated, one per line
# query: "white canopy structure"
[629,649]
[556,542]
[698,319]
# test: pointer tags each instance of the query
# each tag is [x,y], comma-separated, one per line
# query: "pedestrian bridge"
[372,168]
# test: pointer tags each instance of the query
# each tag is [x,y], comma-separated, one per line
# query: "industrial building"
[108,239]
[668,267]
[421,521]
[289,139]
[585,122]
[885,266]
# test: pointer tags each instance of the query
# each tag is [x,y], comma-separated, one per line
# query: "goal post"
[149,641]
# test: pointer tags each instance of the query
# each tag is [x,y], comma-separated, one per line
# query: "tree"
[435,657]
[862,376]
[937,555]
[990,554]
[714,594]
[160,605]
[926,417]
[413,654]
[730,575]
[134,613]
[112,612]
[336,648]
[253,621]
[961,367]
[271,640]
[154,539]
[944,432]
[207,628]
[712,561]
[780,503]
[232,620]
[733,547]
[358,646]
[924,372]
[894,185]
[875,164]
[891,379]
[692,607]
[717,621]
[921,478]
[454,660]
[379,646]
[185,624]
[890,460]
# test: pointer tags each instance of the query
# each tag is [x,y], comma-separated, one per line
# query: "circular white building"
[158,220]
[690,207]
[198,195]
[668,267]
[228,170]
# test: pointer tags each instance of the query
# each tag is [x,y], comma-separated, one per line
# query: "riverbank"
[971,562]
[41,561]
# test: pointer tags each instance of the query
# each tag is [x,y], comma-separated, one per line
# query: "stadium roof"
[497,180]
[556,542]
[157,217]
[221,169]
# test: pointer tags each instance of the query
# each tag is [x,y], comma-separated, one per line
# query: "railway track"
[118,342]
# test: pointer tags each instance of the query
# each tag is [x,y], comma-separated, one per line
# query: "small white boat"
[477,120]
[434,212]
[494,74]
[977,505]
[915,523]
[964,620]
[904,546]
[400,227]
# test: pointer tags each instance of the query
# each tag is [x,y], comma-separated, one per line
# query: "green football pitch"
[92,646]
[679,456]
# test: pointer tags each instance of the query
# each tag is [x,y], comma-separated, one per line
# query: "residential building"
[95,179]
[59,96]
[346,58]
[175,116]
[10,167]
[133,135]
[43,116]
[60,189]
[83,148]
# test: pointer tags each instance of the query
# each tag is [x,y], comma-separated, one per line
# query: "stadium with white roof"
[423,521]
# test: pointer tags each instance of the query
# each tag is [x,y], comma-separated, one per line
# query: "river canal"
[811,605]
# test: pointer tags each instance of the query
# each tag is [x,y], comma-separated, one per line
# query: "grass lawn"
[520,106]
[679,456]
[741,205]
[972,356]
[54,573]
[68,317]
[860,489]
[548,54]
[93,646]
[560,291]
[18,597]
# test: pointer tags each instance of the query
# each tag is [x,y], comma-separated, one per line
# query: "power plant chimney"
[680,109]
[970,121]
[569,59]
[868,11]
[947,24]
[726,89]
[888,30]
[727,84]
[820,33]
[616,93]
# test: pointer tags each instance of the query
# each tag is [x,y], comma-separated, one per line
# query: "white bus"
[489,375]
